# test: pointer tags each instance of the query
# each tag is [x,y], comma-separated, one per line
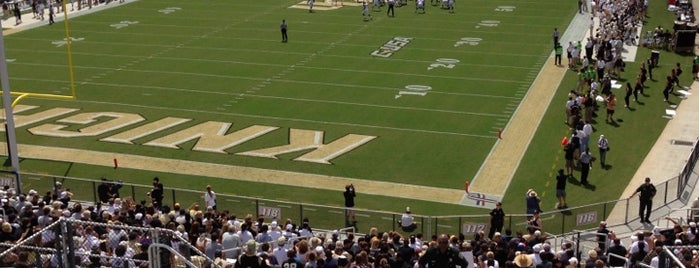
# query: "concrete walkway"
[29,22]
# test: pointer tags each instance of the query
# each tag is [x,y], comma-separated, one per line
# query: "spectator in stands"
[639,249]
[305,229]
[573,262]
[9,233]
[442,255]
[280,251]
[617,253]
[522,260]
[602,235]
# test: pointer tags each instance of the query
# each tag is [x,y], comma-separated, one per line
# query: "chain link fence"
[76,243]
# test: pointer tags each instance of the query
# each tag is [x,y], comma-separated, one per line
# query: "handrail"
[673,257]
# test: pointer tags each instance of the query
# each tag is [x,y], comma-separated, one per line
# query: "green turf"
[223,61]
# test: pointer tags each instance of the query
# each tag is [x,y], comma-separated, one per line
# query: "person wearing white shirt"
[407,222]
[600,68]
[231,242]
[639,248]
[274,231]
[491,262]
[585,141]
[305,230]
[210,198]
[467,253]
[280,251]
[244,233]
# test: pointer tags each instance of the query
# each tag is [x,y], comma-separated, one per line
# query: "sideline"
[28,22]
[494,176]
[259,175]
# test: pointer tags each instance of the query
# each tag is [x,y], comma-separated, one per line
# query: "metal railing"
[688,170]
[62,244]
[332,217]
[555,221]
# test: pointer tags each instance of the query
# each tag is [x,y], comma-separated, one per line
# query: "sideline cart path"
[494,176]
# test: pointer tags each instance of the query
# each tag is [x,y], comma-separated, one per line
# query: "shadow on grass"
[613,123]
[590,187]
[70,166]
[573,181]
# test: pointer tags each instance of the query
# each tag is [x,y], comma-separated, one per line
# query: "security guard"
[647,191]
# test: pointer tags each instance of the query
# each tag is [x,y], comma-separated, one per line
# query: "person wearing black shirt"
[616,249]
[104,191]
[349,203]
[497,220]
[647,191]
[157,193]
[602,235]
[442,256]
[561,181]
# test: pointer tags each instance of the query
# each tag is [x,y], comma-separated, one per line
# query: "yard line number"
[505,8]
[122,24]
[474,41]
[421,90]
[443,63]
[488,23]
[414,90]
[60,43]
[169,10]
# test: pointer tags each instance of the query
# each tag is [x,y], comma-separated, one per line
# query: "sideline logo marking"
[208,136]
[392,46]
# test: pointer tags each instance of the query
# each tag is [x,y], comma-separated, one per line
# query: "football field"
[414,100]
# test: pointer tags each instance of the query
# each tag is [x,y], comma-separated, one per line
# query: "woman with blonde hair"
[374,246]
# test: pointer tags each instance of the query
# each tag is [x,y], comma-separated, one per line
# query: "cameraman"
[349,204]
[157,193]
[108,189]
[104,191]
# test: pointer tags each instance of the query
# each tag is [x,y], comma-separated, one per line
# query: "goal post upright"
[9,104]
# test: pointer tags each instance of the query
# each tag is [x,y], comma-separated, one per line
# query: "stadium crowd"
[118,233]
